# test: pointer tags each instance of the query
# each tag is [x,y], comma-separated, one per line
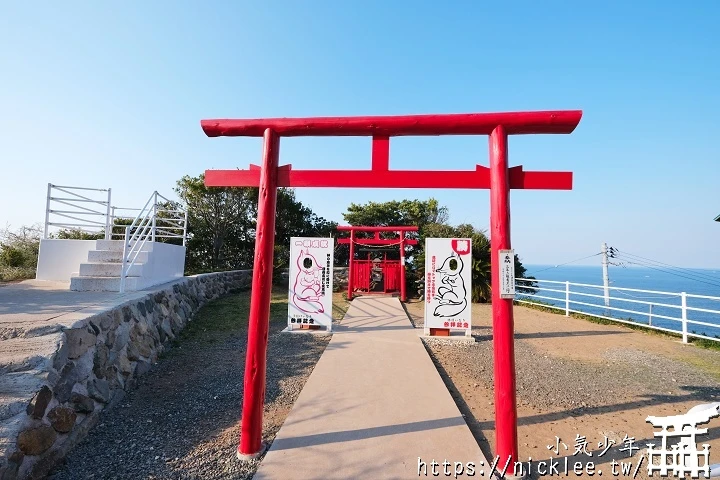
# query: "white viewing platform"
[127,254]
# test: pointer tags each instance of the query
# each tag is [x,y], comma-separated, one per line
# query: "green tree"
[220,228]
[222,225]
[295,220]
[529,287]
[420,213]
[19,252]
[78,234]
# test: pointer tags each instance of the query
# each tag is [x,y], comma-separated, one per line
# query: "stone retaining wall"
[340,278]
[98,359]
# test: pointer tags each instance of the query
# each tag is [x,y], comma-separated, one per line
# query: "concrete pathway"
[374,407]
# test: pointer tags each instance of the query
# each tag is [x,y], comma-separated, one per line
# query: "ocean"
[703,282]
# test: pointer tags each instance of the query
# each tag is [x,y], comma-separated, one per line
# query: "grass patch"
[545,307]
[12,274]
[229,315]
[340,305]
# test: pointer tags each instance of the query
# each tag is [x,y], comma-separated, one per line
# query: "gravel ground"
[577,378]
[182,420]
[577,387]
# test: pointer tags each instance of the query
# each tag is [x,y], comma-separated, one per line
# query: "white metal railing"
[155,220]
[67,208]
[678,317]
[86,212]
[119,213]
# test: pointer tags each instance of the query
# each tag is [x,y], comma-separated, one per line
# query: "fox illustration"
[307,289]
[452,293]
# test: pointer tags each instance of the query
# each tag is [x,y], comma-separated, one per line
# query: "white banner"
[310,282]
[506,259]
[448,289]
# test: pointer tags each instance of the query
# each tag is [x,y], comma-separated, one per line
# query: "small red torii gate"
[377,241]
[499,178]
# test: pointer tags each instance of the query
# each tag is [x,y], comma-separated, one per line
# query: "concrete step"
[102,284]
[111,256]
[117,245]
[107,269]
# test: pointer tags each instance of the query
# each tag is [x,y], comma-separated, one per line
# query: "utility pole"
[606,278]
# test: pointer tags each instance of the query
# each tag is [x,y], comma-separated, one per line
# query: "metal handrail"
[151,222]
[574,305]
[78,207]
[145,228]
[74,201]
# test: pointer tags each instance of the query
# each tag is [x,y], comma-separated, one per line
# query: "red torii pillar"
[499,178]
[378,241]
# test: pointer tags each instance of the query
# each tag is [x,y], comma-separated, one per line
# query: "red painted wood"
[351,261]
[403,242]
[380,153]
[502,309]
[361,274]
[458,179]
[520,179]
[404,228]
[373,242]
[391,276]
[497,125]
[401,230]
[259,319]
[441,332]
[357,277]
[563,121]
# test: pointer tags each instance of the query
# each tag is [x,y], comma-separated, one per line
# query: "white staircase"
[102,271]
[135,255]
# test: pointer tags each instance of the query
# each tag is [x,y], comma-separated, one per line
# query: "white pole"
[108,220]
[154,214]
[683,297]
[47,209]
[112,223]
[123,272]
[606,277]
[185,227]
[567,299]
[650,316]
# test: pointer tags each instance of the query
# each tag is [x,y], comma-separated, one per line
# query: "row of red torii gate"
[447,276]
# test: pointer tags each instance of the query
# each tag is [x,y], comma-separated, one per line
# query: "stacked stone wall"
[97,360]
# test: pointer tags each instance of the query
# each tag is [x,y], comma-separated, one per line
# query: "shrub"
[19,253]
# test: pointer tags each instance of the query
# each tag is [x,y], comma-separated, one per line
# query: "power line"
[669,272]
[684,274]
[568,263]
[685,270]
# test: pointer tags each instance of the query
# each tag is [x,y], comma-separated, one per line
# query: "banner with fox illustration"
[310,284]
[448,292]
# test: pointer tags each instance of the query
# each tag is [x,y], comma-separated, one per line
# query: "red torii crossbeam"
[401,242]
[499,178]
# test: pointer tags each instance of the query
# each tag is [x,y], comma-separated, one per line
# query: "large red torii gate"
[499,178]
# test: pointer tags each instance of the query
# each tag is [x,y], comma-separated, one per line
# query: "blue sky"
[112,96]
